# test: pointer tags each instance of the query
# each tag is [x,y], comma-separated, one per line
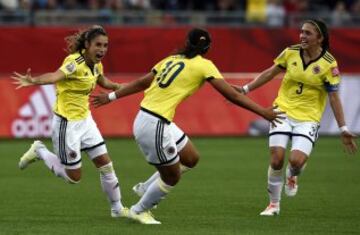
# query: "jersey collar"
[311,61]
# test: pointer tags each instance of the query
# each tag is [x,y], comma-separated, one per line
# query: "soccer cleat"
[271,210]
[30,156]
[139,189]
[124,212]
[291,186]
[145,217]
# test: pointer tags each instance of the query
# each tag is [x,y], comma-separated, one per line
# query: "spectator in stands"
[256,11]
[74,129]
[165,145]
[355,11]
[226,5]
[46,5]
[275,13]
[340,16]
[139,4]
[9,4]
[311,76]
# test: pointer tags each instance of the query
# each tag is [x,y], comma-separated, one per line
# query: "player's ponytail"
[198,42]
[76,41]
[323,31]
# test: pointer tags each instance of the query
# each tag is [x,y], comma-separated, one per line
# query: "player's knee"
[277,160]
[276,163]
[192,162]
[73,176]
[172,179]
[74,179]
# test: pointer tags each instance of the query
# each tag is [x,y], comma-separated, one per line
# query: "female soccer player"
[311,75]
[164,145]
[74,129]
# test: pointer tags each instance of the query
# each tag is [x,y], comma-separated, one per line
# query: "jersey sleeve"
[281,60]
[332,78]
[212,72]
[68,67]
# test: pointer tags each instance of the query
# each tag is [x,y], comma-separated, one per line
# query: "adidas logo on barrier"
[35,115]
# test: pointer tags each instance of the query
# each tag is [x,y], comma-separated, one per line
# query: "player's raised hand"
[22,80]
[348,140]
[274,115]
[100,99]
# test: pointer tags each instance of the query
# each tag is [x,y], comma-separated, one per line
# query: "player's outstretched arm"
[270,114]
[24,80]
[260,80]
[347,138]
[125,90]
[108,84]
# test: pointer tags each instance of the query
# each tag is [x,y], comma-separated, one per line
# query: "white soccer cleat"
[30,156]
[139,189]
[271,210]
[145,217]
[124,212]
[291,186]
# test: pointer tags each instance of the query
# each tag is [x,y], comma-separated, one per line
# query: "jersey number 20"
[168,75]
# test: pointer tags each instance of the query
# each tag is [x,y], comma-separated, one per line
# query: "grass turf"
[223,195]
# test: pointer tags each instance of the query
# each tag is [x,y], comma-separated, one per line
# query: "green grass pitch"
[223,195]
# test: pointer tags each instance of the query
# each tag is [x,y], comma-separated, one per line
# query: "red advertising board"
[27,111]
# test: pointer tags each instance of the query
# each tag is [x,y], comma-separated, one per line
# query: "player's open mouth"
[99,57]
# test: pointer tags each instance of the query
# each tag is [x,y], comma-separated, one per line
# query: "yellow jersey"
[303,91]
[176,78]
[72,93]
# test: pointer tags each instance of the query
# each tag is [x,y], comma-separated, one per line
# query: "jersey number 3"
[169,73]
[300,89]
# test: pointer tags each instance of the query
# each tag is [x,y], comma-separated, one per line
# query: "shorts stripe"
[62,140]
[92,147]
[72,163]
[280,133]
[166,162]
[181,139]
[305,136]
[158,141]
[161,142]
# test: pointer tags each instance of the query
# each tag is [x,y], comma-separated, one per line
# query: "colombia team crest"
[316,69]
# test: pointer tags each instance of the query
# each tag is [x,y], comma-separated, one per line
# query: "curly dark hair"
[76,41]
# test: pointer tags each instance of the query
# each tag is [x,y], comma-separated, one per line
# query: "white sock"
[156,176]
[275,183]
[151,179]
[110,185]
[153,195]
[53,163]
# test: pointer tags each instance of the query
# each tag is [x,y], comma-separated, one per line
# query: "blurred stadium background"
[247,35]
